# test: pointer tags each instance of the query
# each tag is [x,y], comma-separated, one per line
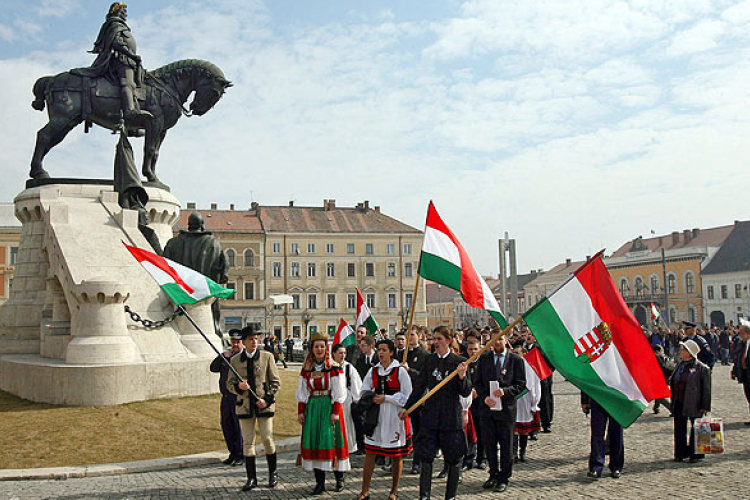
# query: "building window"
[230,257]
[672,284]
[329,248]
[351,300]
[391,272]
[408,270]
[624,287]
[724,292]
[710,291]
[249,258]
[391,301]
[312,301]
[370,299]
[350,270]
[294,271]
[369,250]
[276,248]
[350,248]
[407,248]
[689,283]
[276,268]
[311,269]
[311,248]
[369,269]
[331,301]
[296,331]
[737,291]
[294,248]
[691,314]
[232,286]
[249,291]
[408,300]
[295,301]
[390,248]
[654,285]
[13,255]
[330,269]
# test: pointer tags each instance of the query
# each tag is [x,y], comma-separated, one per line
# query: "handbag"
[709,435]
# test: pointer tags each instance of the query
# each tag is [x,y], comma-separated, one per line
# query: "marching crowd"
[357,400]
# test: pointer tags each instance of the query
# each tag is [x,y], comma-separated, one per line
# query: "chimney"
[214,206]
[588,257]
[254,205]
[687,235]
[567,262]
[675,238]
[191,205]
[367,205]
[377,209]
[696,232]
[291,203]
[329,205]
[231,206]
[360,206]
[660,240]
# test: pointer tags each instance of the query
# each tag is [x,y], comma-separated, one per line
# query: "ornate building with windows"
[666,271]
[10,235]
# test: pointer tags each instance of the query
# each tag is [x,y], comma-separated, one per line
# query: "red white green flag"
[344,334]
[444,260]
[537,363]
[655,314]
[364,316]
[181,284]
[589,334]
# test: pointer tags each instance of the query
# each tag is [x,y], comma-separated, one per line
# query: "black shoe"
[522,457]
[318,490]
[656,411]
[238,461]
[678,459]
[228,461]
[615,474]
[252,481]
[693,460]
[546,430]
[490,483]
[480,466]
[746,423]
[443,473]
[501,487]
[339,481]
[533,437]
[594,474]
[273,475]
[516,460]
[414,469]
[320,482]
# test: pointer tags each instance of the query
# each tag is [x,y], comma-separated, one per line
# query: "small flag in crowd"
[655,314]
[364,316]
[181,284]
[444,261]
[538,364]
[589,334]
[344,335]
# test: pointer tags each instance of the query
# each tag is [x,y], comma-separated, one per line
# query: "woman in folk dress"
[354,387]
[320,394]
[391,436]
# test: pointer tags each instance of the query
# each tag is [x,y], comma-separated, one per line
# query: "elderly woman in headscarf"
[321,392]
[691,398]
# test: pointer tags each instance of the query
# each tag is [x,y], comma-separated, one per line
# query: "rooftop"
[733,256]
[688,238]
[7,216]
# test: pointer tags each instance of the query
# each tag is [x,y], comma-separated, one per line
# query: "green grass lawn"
[42,435]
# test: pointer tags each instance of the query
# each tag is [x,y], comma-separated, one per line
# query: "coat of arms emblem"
[594,344]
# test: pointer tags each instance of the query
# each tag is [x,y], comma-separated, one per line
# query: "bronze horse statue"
[72,99]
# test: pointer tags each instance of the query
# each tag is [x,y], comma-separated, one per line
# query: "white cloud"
[700,38]
[57,8]
[7,33]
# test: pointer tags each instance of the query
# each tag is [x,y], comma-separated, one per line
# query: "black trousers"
[684,446]
[452,442]
[546,403]
[478,430]
[496,433]
[600,420]
[746,386]
[230,426]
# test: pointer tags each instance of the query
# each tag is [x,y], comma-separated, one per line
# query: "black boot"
[451,486]
[523,441]
[339,480]
[425,481]
[273,476]
[320,482]
[252,480]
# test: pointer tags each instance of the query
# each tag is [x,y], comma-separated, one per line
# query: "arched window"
[230,257]
[249,258]
[624,287]
[672,284]
[689,283]
[654,284]
[692,314]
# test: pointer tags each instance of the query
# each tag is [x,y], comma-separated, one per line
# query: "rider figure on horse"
[117,59]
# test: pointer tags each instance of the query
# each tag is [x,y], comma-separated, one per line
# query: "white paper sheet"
[495,385]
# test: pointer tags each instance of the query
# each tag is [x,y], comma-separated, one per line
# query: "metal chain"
[149,323]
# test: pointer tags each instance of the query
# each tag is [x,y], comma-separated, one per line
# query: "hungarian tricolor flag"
[344,335]
[445,261]
[364,316]
[537,363]
[589,334]
[181,284]
[655,314]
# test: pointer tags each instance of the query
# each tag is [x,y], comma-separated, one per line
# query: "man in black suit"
[501,365]
[353,351]
[366,359]
[441,425]
[741,368]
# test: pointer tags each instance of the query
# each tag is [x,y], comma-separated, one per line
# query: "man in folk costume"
[256,395]
[321,392]
[442,425]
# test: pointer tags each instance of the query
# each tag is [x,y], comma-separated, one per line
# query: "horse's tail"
[40,92]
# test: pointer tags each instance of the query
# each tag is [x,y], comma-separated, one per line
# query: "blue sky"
[573,125]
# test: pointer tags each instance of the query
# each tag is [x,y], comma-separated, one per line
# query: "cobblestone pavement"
[556,468]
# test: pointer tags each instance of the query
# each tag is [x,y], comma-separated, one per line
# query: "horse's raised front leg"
[47,138]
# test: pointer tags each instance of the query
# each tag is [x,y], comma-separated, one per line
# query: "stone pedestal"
[64,335]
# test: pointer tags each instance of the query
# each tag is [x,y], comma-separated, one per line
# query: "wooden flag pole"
[411,318]
[468,362]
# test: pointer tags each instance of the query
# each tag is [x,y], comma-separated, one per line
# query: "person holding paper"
[499,366]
